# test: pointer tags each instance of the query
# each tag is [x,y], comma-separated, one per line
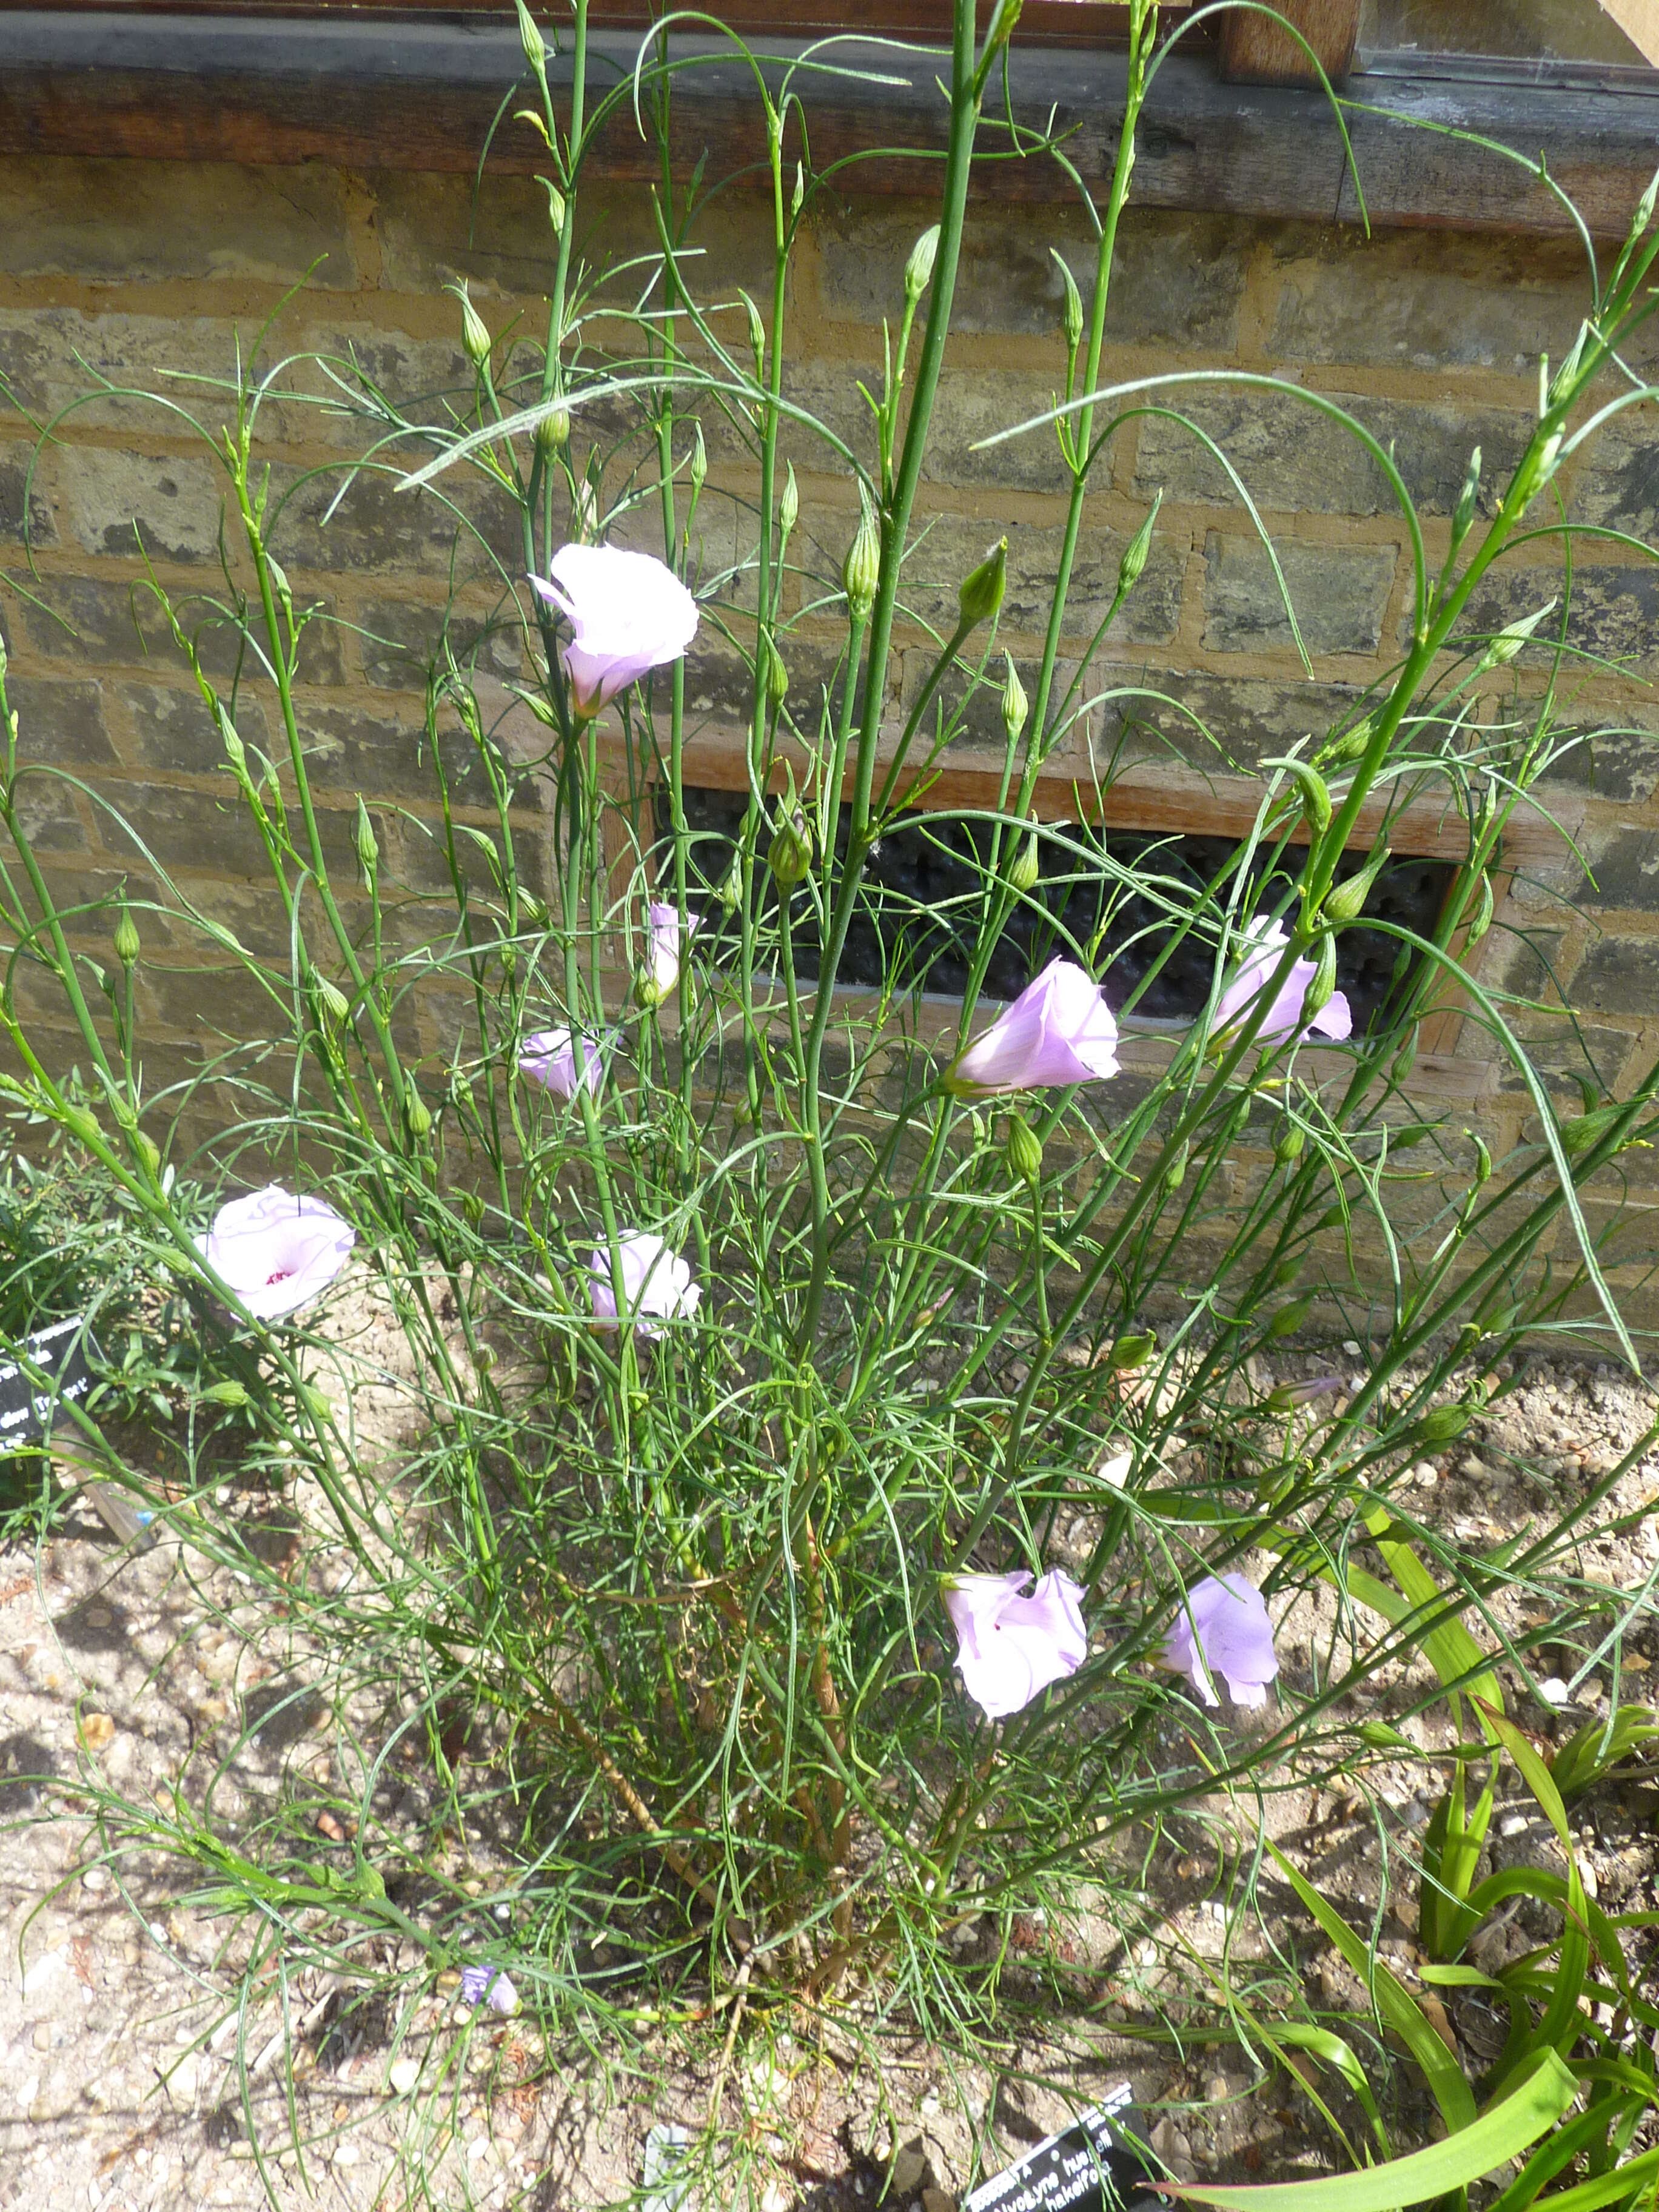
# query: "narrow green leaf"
[1501,2133]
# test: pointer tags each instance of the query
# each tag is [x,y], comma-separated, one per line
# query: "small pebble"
[1512,1824]
[402,2075]
[1552,1690]
[1350,1345]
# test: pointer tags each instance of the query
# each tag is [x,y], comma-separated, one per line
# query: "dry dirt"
[119,2089]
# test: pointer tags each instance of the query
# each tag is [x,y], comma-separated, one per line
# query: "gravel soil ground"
[132,2078]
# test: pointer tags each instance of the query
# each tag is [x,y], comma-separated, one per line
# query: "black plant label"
[1101,2163]
[49,1367]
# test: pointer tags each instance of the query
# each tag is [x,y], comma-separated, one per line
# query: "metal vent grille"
[923,887]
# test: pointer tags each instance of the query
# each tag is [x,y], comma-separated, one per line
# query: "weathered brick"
[980,705]
[975,403]
[1217,721]
[119,503]
[87,618]
[119,222]
[1623,870]
[49,813]
[1614,615]
[1294,459]
[1619,974]
[60,722]
[1425,299]
[329,525]
[1569,1048]
[397,638]
[720,688]
[1619,761]
[1179,278]
[1341,593]
[174,731]
[15,489]
[1617,484]
[190,829]
[954,544]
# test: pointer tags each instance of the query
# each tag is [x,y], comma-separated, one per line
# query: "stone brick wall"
[135,270]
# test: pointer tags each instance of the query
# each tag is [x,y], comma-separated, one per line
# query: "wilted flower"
[655,1281]
[277,1250]
[548,1057]
[1264,943]
[1059,1030]
[488,1984]
[1009,1647]
[1223,1629]
[630,614]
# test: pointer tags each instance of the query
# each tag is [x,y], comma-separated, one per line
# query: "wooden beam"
[1256,50]
[367,90]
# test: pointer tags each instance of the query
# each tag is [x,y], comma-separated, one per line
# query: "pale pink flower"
[548,1057]
[1223,1629]
[1264,945]
[657,1283]
[662,965]
[276,1250]
[1059,1030]
[630,614]
[1009,1647]
[490,1985]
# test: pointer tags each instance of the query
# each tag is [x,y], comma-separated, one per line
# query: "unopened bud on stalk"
[1015,705]
[145,1145]
[789,504]
[1132,565]
[416,1114]
[332,996]
[1023,1149]
[1072,312]
[1345,902]
[1443,1423]
[1177,1170]
[1131,1351]
[368,852]
[1315,794]
[789,856]
[1503,649]
[757,335]
[554,205]
[1323,982]
[535,47]
[1463,513]
[1483,913]
[1482,1159]
[474,331]
[553,431]
[730,893]
[981,597]
[1027,867]
[1290,1318]
[698,468]
[235,751]
[918,269]
[799,196]
[777,676]
[862,571]
[1289,1147]
[126,938]
[1644,208]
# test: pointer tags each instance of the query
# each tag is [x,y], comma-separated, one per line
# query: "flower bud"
[777,676]
[757,335]
[148,1151]
[1345,902]
[1483,913]
[1134,1350]
[1502,648]
[1463,513]
[789,856]
[981,597]
[1289,1147]
[535,47]
[416,1114]
[228,1393]
[1026,866]
[474,331]
[1024,1148]
[235,750]
[798,196]
[1177,1169]
[368,852]
[1443,1423]
[1290,1318]
[555,204]
[1131,567]
[1482,1159]
[698,471]
[332,996]
[918,269]
[1323,982]
[862,571]
[126,938]
[553,431]
[789,504]
[1644,208]
[730,893]
[1015,704]
[1072,313]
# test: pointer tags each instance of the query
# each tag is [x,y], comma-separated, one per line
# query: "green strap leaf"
[1535,2103]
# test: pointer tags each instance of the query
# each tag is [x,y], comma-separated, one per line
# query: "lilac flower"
[1059,1030]
[1009,1647]
[276,1250]
[630,614]
[662,966]
[657,1282]
[1264,943]
[548,1057]
[1223,1629]
[481,1984]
